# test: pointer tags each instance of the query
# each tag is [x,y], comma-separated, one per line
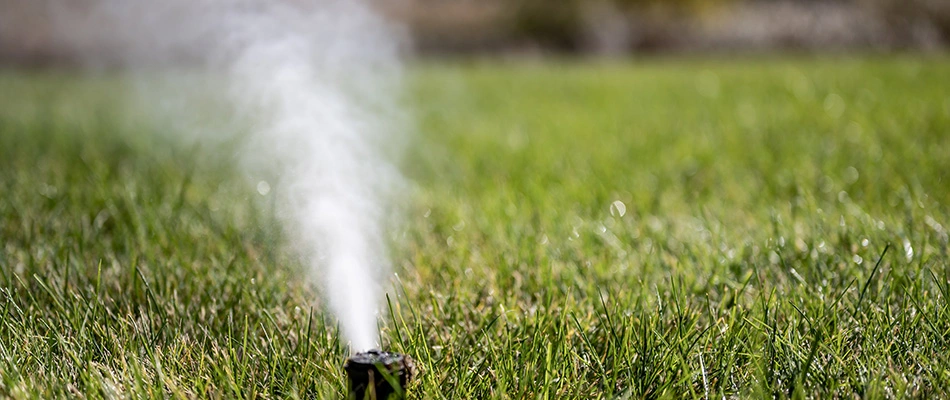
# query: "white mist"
[314,85]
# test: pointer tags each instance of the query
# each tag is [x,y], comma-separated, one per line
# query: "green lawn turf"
[666,228]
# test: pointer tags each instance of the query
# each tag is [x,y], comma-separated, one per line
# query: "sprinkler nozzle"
[378,375]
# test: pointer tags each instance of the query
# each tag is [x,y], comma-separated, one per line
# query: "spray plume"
[315,84]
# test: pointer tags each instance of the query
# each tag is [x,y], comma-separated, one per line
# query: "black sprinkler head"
[378,375]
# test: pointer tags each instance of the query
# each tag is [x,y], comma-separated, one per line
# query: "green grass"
[784,234]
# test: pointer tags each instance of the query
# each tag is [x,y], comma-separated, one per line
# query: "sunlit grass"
[668,228]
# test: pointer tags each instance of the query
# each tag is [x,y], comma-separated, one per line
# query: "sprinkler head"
[378,375]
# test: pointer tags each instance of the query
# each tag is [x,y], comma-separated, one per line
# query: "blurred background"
[529,28]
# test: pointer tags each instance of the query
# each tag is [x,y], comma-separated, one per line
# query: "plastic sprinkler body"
[378,375]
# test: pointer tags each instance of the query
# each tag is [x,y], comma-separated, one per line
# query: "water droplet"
[933,224]
[865,242]
[843,198]
[797,275]
[834,105]
[617,208]
[851,175]
[857,259]
[263,188]
[908,250]
[48,191]
[800,245]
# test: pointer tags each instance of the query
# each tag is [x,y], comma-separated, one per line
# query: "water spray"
[314,84]
[308,90]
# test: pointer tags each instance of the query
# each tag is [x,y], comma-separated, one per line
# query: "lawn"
[669,228]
